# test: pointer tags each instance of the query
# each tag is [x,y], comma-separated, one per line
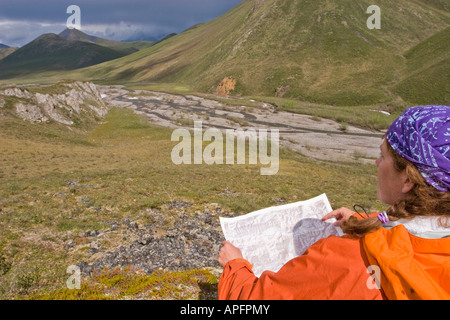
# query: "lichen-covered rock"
[186,242]
[30,112]
[66,103]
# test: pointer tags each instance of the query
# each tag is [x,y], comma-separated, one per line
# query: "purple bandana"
[422,136]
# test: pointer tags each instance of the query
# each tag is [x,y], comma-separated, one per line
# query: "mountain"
[122,47]
[50,52]
[318,51]
[6,50]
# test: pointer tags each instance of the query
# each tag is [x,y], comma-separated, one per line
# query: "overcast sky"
[24,20]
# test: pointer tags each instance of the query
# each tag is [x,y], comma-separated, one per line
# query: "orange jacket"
[346,267]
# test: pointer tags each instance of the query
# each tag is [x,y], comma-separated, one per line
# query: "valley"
[317,138]
[99,190]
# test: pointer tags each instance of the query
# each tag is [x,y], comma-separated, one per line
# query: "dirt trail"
[316,138]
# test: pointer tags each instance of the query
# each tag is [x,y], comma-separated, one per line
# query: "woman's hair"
[421,200]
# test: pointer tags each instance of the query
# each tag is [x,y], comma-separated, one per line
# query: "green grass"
[363,116]
[427,71]
[125,284]
[58,184]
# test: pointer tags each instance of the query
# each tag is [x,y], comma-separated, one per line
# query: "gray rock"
[79,100]
[91,233]
[190,243]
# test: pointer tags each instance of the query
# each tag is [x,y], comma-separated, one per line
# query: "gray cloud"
[23,20]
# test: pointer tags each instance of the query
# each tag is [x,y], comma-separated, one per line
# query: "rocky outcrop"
[225,86]
[65,103]
[174,240]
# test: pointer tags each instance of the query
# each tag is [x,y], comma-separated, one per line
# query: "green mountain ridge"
[51,52]
[122,47]
[319,51]
[71,49]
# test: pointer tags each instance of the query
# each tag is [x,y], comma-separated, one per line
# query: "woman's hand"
[228,253]
[341,215]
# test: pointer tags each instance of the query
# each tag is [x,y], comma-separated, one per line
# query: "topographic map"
[270,237]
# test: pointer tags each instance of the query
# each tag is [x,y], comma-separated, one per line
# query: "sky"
[21,21]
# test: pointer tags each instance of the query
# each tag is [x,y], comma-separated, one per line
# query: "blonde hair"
[421,200]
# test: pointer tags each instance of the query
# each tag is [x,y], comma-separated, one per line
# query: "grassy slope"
[123,168]
[427,71]
[322,50]
[4,52]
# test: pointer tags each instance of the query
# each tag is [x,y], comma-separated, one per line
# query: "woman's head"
[416,152]
[413,168]
[417,196]
[421,135]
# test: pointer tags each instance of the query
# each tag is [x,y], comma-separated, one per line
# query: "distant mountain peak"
[50,36]
[124,48]
[75,34]
[67,33]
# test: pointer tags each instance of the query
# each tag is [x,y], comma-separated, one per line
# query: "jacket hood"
[410,267]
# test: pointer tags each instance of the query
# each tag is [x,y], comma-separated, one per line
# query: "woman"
[403,253]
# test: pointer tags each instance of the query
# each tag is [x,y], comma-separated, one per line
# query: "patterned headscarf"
[422,136]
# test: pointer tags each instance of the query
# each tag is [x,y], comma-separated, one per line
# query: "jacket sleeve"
[332,268]
[236,276]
